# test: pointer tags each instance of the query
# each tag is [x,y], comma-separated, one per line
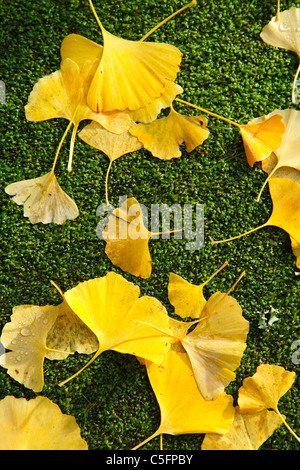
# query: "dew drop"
[25,332]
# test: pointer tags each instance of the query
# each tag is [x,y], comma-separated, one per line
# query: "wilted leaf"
[163,137]
[43,200]
[283,32]
[25,338]
[182,407]
[247,432]
[113,145]
[69,334]
[37,424]
[110,306]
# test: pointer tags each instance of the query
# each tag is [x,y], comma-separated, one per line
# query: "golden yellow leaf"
[262,138]
[283,32]
[187,299]
[25,339]
[264,389]
[247,432]
[127,239]
[163,136]
[113,145]
[121,320]
[37,424]
[131,74]
[43,200]
[183,409]
[287,155]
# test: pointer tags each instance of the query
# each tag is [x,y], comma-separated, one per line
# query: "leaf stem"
[60,145]
[95,15]
[208,112]
[294,84]
[80,370]
[145,441]
[193,2]
[106,182]
[72,146]
[238,236]
[278,10]
[286,425]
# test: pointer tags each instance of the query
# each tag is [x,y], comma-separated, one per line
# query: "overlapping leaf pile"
[121,87]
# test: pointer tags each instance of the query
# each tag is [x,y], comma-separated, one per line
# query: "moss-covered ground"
[226,68]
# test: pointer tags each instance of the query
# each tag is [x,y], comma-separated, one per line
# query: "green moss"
[226,68]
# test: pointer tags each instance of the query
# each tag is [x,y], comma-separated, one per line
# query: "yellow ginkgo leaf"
[262,138]
[264,389]
[283,32]
[37,424]
[183,409]
[131,74]
[43,200]
[111,307]
[216,345]
[127,239]
[287,155]
[163,136]
[187,299]
[247,432]
[25,338]
[113,145]
[285,195]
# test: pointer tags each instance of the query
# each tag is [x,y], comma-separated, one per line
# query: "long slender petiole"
[193,2]
[208,112]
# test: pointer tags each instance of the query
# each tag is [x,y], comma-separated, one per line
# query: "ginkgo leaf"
[150,112]
[283,32]
[69,334]
[127,239]
[264,389]
[163,136]
[111,307]
[113,145]
[247,432]
[183,409]
[216,345]
[285,195]
[25,339]
[37,424]
[287,154]
[43,200]
[187,299]
[262,138]
[131,74]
